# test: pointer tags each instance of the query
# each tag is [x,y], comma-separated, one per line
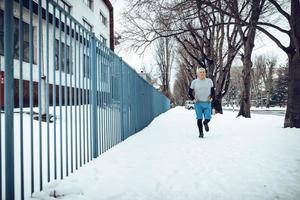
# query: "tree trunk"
[248,48]
[268,100]
[292,116]
[245,96]
[217,105]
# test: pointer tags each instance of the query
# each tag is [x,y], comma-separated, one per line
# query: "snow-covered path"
[238,159]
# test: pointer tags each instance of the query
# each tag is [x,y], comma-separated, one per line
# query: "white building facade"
[95,15]
[70,47]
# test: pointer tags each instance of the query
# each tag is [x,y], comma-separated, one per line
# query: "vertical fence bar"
[89,123]
[47,90]
[65,93]
[110,99]
[71,90]
[40,90]
[103,99]
[9,100]
[1,192]
[90,142]
[55,64]
[113,127]
[111,132]
[76,97]
[87,104]
[31,93]
[60,97]
[21,94]
[80,95]
[122,117]
[101,119]
[94,119]
[99,91]
[84,48]
[87,99]
[107,101]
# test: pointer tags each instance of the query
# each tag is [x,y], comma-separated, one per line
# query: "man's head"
[201,73]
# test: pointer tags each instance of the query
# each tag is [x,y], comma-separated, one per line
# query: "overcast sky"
[263,45]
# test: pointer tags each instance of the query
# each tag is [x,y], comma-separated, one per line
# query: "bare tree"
[291,15]
[184,76]
[212,47]
[189,22]
[232,97]
[248,14]
[279,96]
[248,36]
[180,91]
[164,60]
[256,81]
[263,79]
[266,69]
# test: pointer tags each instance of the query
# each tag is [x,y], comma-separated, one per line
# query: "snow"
[238,159]
[274,108]
[110,135]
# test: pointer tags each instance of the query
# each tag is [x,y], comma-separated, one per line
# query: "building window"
[87,25]
[68,68]
[103,40]
[103,19]
[89,3]
[26,28]
[66,6]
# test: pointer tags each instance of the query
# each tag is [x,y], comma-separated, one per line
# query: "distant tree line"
[269,84]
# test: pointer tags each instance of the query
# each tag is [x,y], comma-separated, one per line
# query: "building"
[91,16]
[95,15]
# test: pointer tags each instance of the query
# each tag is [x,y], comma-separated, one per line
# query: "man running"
[204,93]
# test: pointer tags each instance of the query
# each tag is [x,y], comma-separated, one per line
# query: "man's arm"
[212,92]
[191,95]
[191,90]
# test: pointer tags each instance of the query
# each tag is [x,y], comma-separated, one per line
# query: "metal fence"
[66,98]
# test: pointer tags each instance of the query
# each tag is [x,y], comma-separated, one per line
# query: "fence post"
[122,98]
[9,100]
[93,60]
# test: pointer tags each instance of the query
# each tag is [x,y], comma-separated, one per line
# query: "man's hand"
[209,98]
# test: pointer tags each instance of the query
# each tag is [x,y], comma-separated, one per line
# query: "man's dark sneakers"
[201,135]
[206,126]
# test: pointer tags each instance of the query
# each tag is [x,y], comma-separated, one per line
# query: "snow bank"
[238,159]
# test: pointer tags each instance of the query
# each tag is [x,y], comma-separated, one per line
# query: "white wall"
[80,10]
[26,67]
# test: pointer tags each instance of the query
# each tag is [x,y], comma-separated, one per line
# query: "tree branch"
[278,7]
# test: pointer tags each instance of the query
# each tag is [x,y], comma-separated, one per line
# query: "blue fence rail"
[66,98]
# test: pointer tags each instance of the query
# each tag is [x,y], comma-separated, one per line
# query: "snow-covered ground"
[275,108]
[81,131]
[238,159]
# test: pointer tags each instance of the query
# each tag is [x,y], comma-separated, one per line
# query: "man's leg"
[207,116]
[199,123]
[199,111]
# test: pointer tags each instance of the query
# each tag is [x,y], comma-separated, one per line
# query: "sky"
[135,60]
[263,46]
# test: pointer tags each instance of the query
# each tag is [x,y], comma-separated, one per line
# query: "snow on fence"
[65,97]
